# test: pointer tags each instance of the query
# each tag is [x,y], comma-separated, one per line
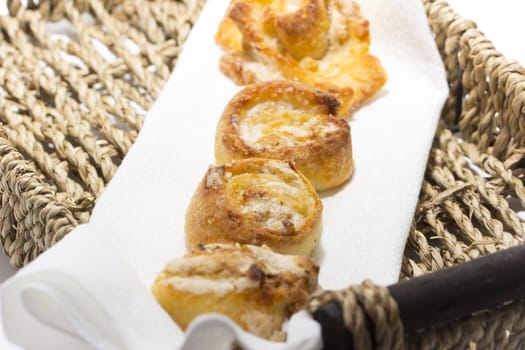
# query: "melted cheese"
[275,197]
[329,51]
[204,285]
[264,71]
[225,268]
[274,124]
[293,5]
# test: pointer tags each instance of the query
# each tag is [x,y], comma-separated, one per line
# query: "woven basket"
[71,109]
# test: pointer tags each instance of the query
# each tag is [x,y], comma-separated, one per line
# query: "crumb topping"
[275,196]
[225,268]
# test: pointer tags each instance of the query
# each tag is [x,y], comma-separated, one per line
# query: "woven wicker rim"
[66,128]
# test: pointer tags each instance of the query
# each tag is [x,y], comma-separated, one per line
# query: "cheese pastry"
[255,287]
[321,43]
[287,121]
[255,201]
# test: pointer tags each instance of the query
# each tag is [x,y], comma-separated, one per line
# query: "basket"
[71,109]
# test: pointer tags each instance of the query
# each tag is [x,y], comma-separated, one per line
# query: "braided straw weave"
[369,313]
[473,186]
[71,107]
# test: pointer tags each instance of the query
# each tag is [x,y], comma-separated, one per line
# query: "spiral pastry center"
[274,124]
[273,203]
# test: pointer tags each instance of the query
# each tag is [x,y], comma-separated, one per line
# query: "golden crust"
[255,201]
[303,32]
[287,121]
[255,287]
[323,43]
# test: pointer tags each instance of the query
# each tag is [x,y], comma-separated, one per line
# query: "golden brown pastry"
[255,201]
[255,287]
[320,43]
[287,121]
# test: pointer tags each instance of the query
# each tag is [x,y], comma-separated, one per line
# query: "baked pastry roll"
[321,43]
[287,121]
[255,201]
[255,287]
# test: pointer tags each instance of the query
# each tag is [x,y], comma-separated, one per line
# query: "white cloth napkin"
[98,291]
[83,295]
[365,223]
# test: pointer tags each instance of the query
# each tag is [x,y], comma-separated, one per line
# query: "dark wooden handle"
[442,296]
[459,291]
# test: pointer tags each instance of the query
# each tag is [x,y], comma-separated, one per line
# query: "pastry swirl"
[255,201]
[320,43]
[287,121]
[255,287]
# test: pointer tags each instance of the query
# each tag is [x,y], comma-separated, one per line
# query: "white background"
[500,20]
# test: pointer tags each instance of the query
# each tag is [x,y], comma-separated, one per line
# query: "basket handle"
[367,316]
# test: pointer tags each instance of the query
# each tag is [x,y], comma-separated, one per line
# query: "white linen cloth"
[91,289]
